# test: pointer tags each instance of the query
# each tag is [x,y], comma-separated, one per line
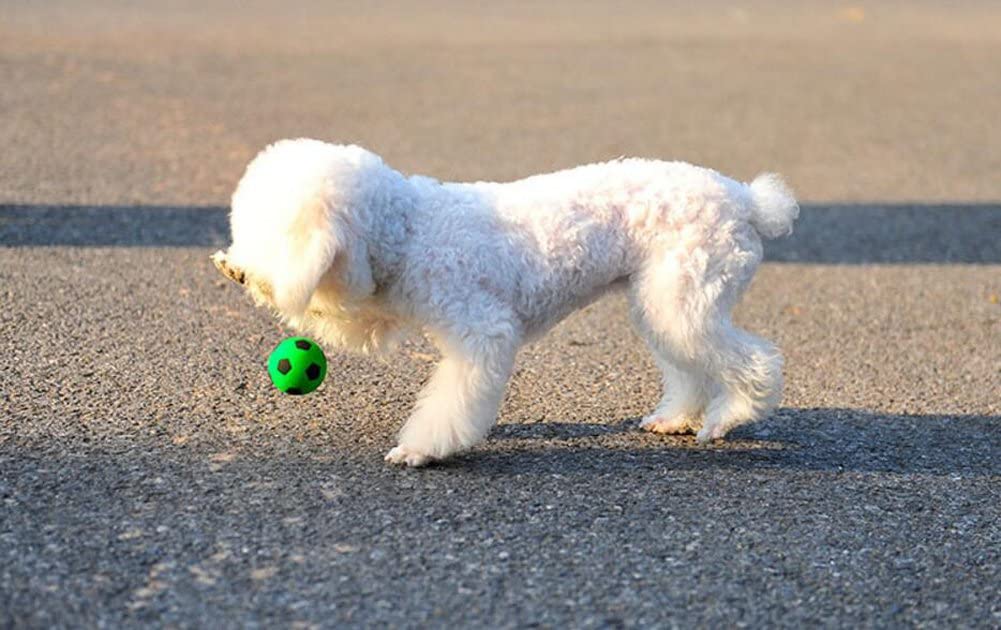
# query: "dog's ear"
[298,270]
[337,254]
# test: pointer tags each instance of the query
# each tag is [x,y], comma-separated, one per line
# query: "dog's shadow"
[833,440]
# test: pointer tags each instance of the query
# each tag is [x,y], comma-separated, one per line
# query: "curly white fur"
[353,252]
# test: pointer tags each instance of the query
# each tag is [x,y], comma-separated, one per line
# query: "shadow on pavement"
[797,440]
[834,440]
[131,527]
[825,233]
[113,226]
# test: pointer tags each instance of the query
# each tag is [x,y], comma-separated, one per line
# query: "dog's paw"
[403,455]
[708,433]
[663,424]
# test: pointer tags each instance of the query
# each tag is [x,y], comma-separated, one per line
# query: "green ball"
[297,366]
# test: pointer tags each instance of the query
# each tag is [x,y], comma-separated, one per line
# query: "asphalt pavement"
[150,475]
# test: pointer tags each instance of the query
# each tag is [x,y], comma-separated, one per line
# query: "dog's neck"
[388,214]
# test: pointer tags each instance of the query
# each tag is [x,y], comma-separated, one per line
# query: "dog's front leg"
[458,406]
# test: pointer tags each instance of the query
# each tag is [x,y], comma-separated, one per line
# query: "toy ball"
[297,366]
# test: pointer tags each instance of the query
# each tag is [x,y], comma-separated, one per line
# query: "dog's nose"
[236,275]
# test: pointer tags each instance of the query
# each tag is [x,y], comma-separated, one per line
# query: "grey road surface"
[149,474]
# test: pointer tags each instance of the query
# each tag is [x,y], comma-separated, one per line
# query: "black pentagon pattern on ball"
[284,366]
[313,371]
[302,344]
[295,391]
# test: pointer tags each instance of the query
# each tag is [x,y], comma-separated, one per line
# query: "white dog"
[347,249]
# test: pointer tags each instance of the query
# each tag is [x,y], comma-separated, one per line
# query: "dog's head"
[298,226]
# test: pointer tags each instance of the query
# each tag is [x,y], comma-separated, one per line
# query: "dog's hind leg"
[749,369]
[686,389]
[459,405]
[683,309]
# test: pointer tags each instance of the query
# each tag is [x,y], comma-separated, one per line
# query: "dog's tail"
[773,206]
